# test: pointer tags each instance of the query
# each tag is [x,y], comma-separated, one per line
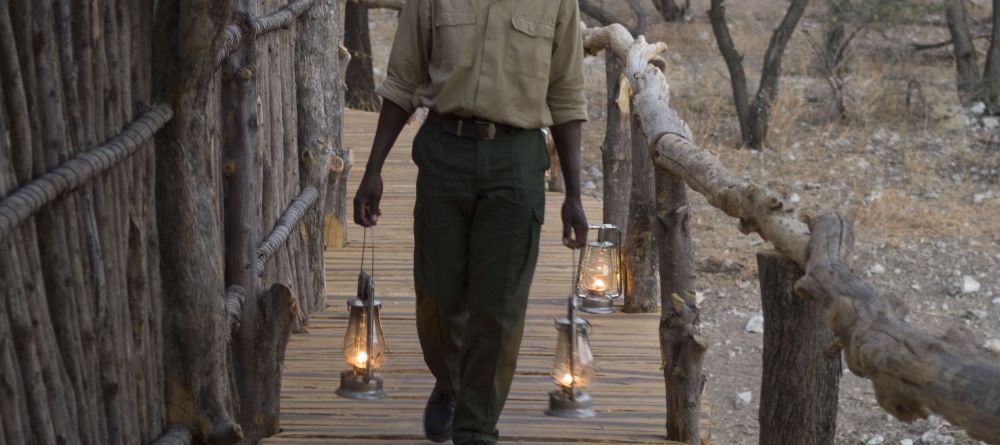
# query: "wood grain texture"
[628,395]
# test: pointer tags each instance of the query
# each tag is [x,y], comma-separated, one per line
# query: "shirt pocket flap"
[454,18]
[533,28]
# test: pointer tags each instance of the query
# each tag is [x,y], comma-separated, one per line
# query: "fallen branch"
[27,200]
[914,374]
[283,227]
[280,19]
[928,46]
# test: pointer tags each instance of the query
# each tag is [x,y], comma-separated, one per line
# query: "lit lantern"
[601,276]
[573,367]
[364,345]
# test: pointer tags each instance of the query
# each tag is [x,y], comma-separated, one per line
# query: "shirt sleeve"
[566,99]
[407,68]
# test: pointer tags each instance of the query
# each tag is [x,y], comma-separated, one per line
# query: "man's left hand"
[574,223]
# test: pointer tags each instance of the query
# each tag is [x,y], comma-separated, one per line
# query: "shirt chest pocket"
[454,42]
[529,51]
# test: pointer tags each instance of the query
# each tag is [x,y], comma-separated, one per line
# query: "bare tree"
[971,85]
[605,18]
[754,116]
[360,78]
[671,10]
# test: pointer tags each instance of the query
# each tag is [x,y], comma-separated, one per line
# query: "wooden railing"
[914,373]
[253,323]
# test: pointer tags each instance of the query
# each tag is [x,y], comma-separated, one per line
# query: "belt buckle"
[491,128]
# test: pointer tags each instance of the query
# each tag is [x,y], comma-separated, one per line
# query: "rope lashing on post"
[283,227]
[27,200]
[280,19]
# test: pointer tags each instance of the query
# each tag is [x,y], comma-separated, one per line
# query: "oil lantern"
[573,367]
[601,276]
[364,345]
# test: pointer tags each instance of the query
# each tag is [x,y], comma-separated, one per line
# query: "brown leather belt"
[470,127]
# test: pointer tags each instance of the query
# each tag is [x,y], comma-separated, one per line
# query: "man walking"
[492,73]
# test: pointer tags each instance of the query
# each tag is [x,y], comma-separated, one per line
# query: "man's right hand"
[366,200]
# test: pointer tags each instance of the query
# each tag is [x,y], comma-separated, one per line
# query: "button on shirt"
[516,62]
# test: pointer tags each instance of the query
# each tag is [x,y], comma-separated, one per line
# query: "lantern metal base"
[597,305]
[564,404]
[353,385]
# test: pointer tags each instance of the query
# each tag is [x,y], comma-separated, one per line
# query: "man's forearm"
[567,138]
[391,121]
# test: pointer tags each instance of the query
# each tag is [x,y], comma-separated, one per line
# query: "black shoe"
[439,416]
[473,442]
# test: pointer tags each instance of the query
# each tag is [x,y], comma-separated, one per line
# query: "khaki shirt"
[516,62]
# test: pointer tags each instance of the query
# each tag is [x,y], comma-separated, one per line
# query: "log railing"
[913,373]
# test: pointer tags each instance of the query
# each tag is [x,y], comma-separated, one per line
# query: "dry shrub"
[899,216]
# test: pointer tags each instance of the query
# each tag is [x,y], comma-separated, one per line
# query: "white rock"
[794,198]
[996,300]
[906,442]
[936,438]
[878,268]
[978,108]
[991,123]
[589,185]
[698,298]
[744,399]
[969,285]
[992,344]
[979,198]
[872,197]
[875,440]
[756,324]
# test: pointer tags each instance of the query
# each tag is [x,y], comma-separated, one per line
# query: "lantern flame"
[567,379]
[599,285]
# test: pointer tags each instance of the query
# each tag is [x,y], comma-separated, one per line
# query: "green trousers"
[479,208]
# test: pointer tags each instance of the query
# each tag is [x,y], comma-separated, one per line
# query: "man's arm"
[567,139]
[407,70]
[391,120]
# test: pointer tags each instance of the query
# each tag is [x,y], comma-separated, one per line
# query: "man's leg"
[503,250]
[445,199]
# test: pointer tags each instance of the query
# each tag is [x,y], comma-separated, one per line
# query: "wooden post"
[320,99]
[801,377]
[640,254]
[187,204]
[682,347]
[616,152]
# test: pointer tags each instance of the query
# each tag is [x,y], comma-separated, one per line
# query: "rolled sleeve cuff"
[568,114]
[393,90]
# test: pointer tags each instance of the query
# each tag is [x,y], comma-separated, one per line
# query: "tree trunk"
[616,152]
[682,347]
[360,78]
[640,248]
[991,77]
[320,97]
[760,111]
[188,194]
[795,407]
[754,117]
[734,62]
[966,63]
[671,11]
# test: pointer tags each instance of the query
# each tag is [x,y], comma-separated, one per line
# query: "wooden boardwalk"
[628,395]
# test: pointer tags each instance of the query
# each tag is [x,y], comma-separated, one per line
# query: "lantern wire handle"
[572,324]
[369,302]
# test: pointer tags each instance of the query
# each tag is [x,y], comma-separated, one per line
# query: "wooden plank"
[628,394]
